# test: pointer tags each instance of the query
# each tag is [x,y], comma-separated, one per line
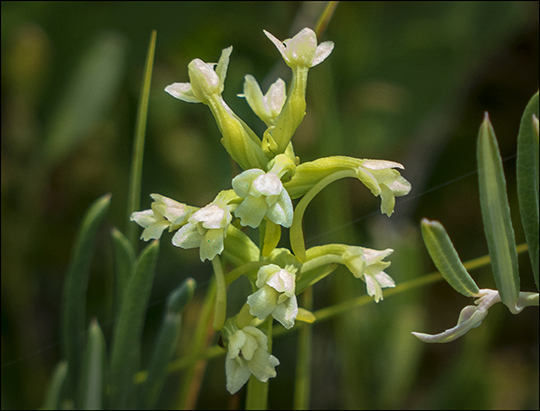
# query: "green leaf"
[134,196]
[446,258]
[124,262]
[527,181]
[52,399]
[74,299]
[496,215]
[93,371]
[127,334]
[166,344]
[88,97]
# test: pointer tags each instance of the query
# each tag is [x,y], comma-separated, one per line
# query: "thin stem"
[134,196]
[327,313]
[220,309]
[195,362]
[302,389]
[298,244]
[257,394]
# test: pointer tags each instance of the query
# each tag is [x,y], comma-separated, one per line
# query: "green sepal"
[271,234]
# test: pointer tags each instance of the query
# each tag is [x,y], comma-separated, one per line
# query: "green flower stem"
[244,269]
[296,233]
[293,111]
[257,394]
[220,309]
[302,391]
[134,196]
[194,361]
[330,312]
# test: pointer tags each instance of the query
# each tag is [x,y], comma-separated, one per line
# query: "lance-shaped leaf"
[446,258]
[124,260]
[165,344]
[127,334]
[527,180]
[53,397]
[496,215]
[93,370]
[74,303]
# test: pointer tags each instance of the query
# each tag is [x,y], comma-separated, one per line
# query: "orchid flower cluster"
[262,197]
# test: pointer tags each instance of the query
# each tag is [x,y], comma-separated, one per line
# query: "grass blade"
[134,196]
[127,334]
[52,399]
[123,264]
[166,343]
[496,216]
[92,379]
[74,299]
[446,258]
[527,181]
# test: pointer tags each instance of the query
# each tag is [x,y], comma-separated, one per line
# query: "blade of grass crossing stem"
[127,334]
[134,196]
[52,399]
[527,180]
[446,258]
[166,344]
[496,215]
[123,264]
[92,381]
[74,299]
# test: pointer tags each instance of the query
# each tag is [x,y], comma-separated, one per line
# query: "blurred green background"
[407,81]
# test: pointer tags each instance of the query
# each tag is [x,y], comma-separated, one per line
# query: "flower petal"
[322,52]
[182,91]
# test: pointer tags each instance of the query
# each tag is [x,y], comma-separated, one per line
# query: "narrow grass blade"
[92,381]
[496,216]
[134,196]
[52,399]
[527,180]
[124,257]
[74,299]
[87,98]
[127,334]
[446,258]
[166,344]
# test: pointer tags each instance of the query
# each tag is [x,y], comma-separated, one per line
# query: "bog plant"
[261,198]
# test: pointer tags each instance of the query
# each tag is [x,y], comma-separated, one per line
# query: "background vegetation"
[407,82]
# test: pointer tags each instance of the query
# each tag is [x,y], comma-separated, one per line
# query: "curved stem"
[296,233]
[220,310]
